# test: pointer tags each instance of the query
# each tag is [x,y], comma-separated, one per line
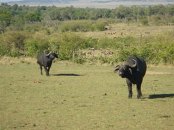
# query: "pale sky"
[8,0]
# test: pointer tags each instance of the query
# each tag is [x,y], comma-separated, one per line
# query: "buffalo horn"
[135,64]
[117,67]
[48,54]
[132,66]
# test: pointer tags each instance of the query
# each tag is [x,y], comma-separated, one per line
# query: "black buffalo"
[133,69]
[45,60]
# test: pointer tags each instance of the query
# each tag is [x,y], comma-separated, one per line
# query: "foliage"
[13,43]
[36,45]
[18,16]
[83,25]
[158,49]
[69,44]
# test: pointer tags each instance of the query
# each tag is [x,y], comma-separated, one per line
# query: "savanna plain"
[83,97]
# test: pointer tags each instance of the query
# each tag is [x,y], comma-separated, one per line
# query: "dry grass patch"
[13,60]
[124,30]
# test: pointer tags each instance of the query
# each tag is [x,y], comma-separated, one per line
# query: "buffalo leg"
[46,70]
[139,93]
[129,84]
[40,69]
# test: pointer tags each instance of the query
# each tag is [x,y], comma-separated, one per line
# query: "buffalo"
[133,69]
[45,60]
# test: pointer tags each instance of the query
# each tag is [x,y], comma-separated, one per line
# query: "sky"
[93,4]
[8,0]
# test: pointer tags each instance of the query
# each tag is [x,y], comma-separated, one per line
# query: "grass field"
[83,97]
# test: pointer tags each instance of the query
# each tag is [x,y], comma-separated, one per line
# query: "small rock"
[105,94]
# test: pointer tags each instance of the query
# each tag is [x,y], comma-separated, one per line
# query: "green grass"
[83,97]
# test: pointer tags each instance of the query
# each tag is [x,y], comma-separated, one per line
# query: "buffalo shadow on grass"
[69,74]
[156,96]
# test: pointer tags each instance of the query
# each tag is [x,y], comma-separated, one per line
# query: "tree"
[33,16]
[5,19]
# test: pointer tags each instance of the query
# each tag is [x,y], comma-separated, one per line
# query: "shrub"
[155,49]
[82,25]
[4,50]
[69,44]
[167,54]
[144,21]
[90,43]
[33,47]
[13,43]
[75,26]
[80,60]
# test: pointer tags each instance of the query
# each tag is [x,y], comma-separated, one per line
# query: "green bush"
[69,44]
[4,50]
[167,54]
[82,26]
[144,21]
[90,43]
[80,60]
[33,47]
[12,43]
[155,49]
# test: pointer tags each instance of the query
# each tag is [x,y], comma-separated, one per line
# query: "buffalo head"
[52,55]
[125,69]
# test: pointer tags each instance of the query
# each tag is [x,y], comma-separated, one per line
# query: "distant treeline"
[18,16]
